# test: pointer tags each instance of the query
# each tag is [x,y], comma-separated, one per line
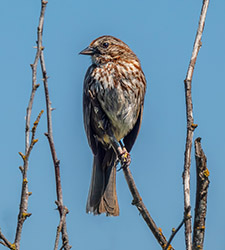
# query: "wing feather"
[87,110]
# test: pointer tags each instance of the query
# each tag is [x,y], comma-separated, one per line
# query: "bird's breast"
[118,89]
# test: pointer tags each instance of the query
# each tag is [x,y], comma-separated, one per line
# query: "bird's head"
[108,49]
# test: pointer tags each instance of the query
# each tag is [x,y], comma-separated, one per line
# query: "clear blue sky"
[161,33]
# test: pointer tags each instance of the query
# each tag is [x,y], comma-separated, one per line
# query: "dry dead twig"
[56,162]
[59,228]
[201,196]
[29,143]
[190,124]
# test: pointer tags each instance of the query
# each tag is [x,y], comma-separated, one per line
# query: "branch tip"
[22,156]
[58,203]
[21,169]
[26,215]
[198,139]
[35,141]
[194,126]
[36,86]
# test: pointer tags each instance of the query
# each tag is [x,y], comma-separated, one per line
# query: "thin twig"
[4,241]
[174,232]
[23,214]
[59,228]
[124,159]
[190,124]
[56,162]
[201,196]
[34,74]
[29,144]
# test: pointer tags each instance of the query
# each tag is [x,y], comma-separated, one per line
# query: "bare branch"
[34,74]
[56,162]
[201,196]
[59,228]
[190,124]
[175,231]
[137,201]
[5,242]
[23,214]
[29,144]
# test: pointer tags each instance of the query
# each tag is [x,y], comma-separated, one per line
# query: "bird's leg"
[121,144]
[125,156]
[120,150]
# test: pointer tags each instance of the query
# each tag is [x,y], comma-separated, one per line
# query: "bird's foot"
[125,159]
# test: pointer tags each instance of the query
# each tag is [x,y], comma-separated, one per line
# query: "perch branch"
[190,124]
[56,162]
[124,159]
[137,201]
[201,196]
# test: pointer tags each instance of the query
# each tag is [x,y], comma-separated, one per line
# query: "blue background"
[161,33]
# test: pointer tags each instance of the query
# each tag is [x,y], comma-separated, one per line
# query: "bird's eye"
[105,45]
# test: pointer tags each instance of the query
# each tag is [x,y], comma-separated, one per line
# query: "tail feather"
[102,196]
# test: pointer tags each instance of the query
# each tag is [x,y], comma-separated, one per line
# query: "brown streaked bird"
[117,82]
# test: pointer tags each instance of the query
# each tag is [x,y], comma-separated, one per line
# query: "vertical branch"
[201,196]
[59,228]
[29,143]
[34,75]
[56,162]
[23,214]
[190,125]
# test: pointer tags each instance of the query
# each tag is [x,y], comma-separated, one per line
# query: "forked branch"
[190,124]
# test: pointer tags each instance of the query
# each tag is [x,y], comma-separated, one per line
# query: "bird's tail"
[102,197]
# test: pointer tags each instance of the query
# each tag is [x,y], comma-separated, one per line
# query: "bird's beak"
[88,51]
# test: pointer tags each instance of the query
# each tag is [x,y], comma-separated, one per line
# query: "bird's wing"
[130,138]
[87,110]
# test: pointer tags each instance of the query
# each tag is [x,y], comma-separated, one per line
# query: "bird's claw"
[125,159]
